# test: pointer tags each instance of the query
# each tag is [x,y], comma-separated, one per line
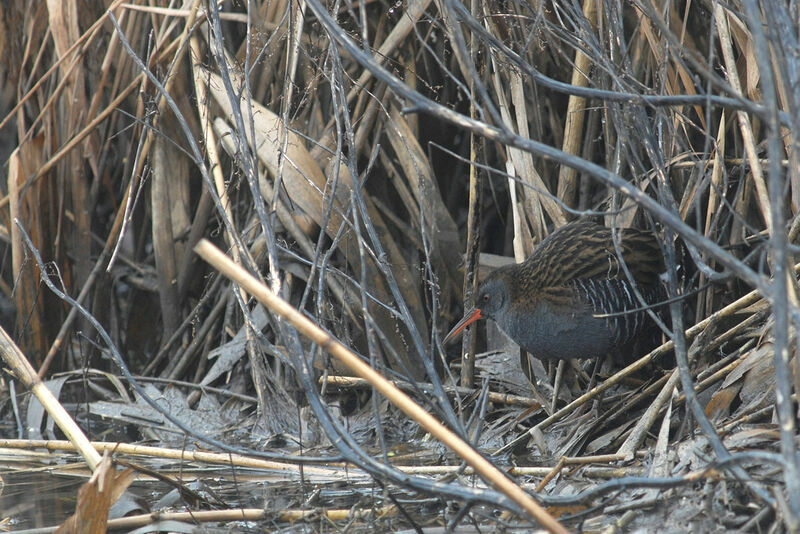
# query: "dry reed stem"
[250,514]
[485,468]
[23,370]
[574,117]
[692,147]
[499,398]
[745,125]
[330,471]
[194,456]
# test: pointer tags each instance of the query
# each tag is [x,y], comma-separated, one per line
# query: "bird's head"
[492,300]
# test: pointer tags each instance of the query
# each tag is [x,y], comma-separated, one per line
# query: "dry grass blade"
[169,192]
[302,176]
[441,230]
[721,17]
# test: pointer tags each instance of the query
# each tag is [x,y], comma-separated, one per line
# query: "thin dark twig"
[247,157]
[195,153]
[425,356]
[426,105]
[622,483]
[369,326]
[778,252]
[687,384]
[346,444]
[735,102]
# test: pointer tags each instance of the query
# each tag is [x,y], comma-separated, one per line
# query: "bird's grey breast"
[550,332]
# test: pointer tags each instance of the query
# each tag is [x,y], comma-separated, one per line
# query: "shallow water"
[37,499]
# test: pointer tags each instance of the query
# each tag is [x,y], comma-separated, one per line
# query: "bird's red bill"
[468,319]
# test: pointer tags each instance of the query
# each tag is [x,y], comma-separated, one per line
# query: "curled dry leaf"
[95,498]
[283,151]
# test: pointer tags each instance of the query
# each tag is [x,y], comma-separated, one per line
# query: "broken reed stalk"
[184,455]
[303,324]
[494,396]
[251,514]
[23,370]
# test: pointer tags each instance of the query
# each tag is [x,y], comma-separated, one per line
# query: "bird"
[569,297]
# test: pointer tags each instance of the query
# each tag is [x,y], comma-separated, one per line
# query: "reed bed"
[354,169]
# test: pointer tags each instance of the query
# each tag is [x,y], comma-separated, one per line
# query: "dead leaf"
[95,499]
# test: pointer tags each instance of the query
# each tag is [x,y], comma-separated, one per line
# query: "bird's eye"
[486,298]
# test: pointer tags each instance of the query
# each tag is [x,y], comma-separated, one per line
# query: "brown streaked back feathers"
[585,250]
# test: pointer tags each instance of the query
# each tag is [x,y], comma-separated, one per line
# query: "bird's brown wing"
[585,250]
